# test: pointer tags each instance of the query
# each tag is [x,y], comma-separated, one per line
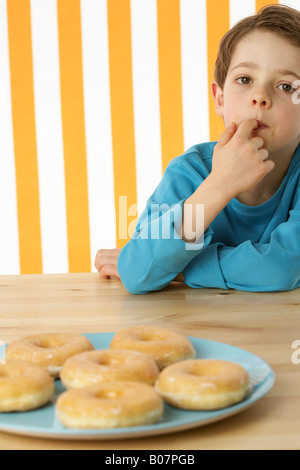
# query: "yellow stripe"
[21,72]
[170,86]
[71,80]
[218,23]
[121,94]
[263,3]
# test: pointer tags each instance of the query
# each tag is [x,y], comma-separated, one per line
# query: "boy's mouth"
[260,126]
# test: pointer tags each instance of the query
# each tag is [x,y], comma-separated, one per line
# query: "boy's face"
[259,86]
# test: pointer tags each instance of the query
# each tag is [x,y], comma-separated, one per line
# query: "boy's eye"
[287,87]
[244,80]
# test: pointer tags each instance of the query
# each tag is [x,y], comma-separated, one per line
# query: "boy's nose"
[262,103]
[261,99]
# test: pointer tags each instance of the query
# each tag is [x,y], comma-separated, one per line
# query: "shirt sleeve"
[155,254]
[256,267]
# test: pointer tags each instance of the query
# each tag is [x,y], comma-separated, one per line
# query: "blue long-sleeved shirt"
[249,248]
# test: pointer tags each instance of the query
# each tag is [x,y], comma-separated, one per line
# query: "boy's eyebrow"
[252,65]
[287,72]
[249,65]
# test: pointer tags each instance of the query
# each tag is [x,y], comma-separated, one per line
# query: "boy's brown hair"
[279,19]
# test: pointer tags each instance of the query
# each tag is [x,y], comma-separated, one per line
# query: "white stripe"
[49,135]
[146,98]
[194,71]
[9,241]
[240,9]
[98,125]
[291,3]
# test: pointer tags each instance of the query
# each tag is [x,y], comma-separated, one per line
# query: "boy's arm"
[151,260]
[253,267]
[156,254]
[239,163]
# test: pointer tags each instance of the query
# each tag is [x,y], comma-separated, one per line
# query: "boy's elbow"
[135,288]
[144,285]
[139,274]
[135,283]
[143,281]
[133,278]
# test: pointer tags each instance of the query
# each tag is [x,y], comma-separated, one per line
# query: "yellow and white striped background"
[96,96]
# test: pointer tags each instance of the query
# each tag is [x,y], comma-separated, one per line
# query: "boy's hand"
[106,263]
[239,161]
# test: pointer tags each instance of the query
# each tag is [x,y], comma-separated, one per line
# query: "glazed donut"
[108,365]
[203,384]
[109,405]
[165,346]
[24,387]
[47,350]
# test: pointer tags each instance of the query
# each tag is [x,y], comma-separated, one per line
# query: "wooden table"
[265,324]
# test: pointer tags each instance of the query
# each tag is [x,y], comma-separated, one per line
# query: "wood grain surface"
[265,324]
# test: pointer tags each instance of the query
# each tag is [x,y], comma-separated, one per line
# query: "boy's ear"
[218,96]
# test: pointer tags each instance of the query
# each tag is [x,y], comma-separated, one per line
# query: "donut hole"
[109,394]
[150,335]
[105,361]
[108,361]
[49,342]
[203,369]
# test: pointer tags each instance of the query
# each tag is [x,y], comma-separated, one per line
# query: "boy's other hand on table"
[106,263]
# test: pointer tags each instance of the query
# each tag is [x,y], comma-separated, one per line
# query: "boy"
[248,182]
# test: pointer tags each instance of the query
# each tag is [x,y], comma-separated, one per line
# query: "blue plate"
[45,424]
